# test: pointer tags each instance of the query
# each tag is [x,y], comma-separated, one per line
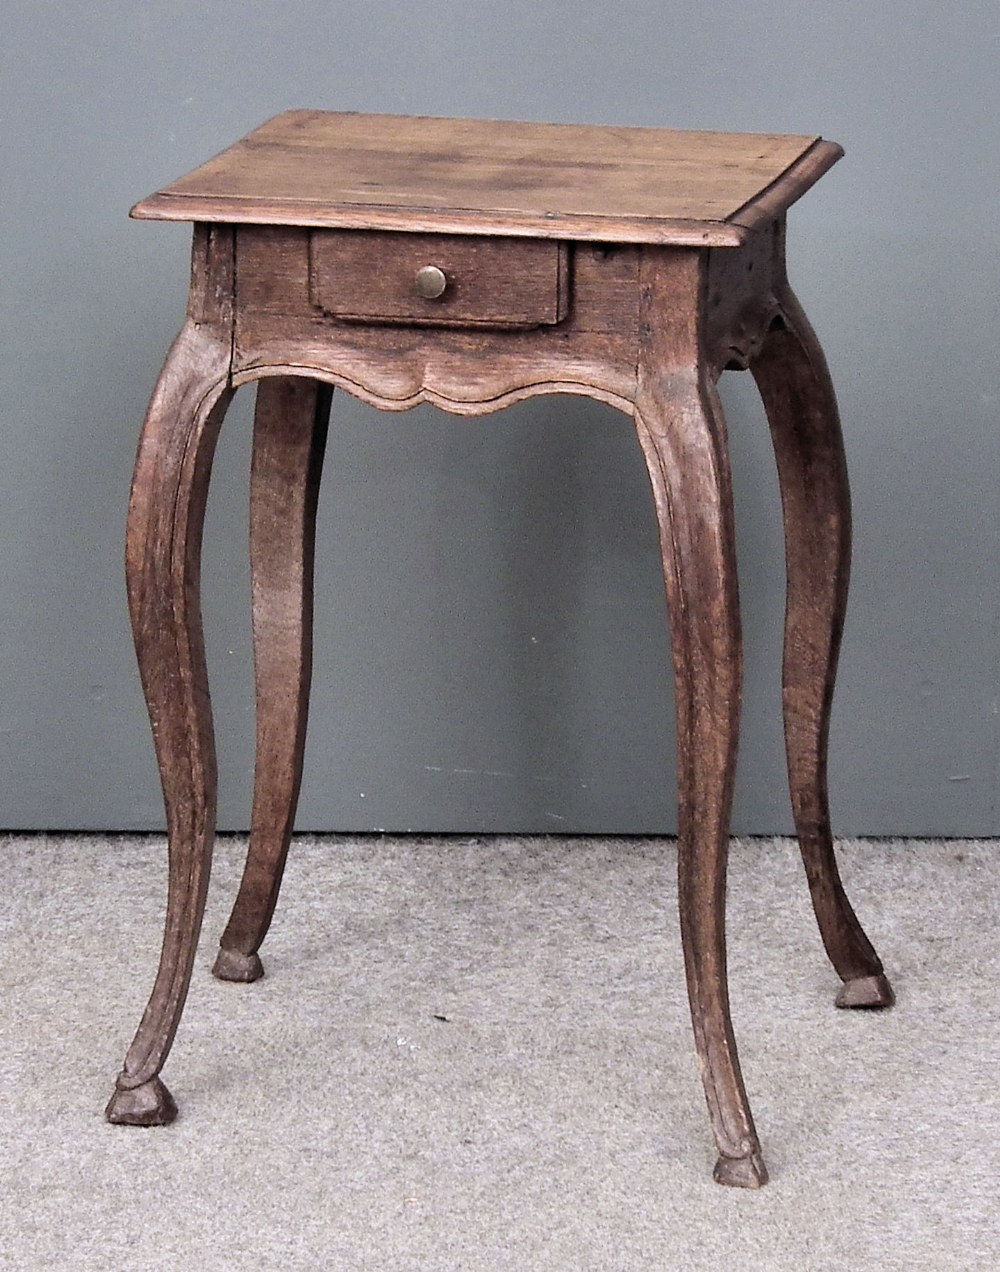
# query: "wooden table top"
[494,177]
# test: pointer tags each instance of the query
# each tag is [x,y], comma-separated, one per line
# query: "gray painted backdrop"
[491,647]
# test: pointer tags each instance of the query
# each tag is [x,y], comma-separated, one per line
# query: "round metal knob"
[430,282]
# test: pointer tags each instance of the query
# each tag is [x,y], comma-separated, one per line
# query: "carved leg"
[163,554]
[289,439]
[682,433]
[794,383]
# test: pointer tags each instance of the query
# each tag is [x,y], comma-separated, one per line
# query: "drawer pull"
[431,282]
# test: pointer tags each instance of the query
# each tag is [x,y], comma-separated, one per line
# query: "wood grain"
[365,276]
[591,351]
[683,438]
[163,553]
[290,427]
[600,293]
[639,264]
[393,370]
[741,297]
[489,177]
[212,292]
[798,395]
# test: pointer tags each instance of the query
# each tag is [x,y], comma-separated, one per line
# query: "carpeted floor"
[475,1054]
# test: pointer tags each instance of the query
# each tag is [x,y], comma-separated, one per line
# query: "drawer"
[452,280]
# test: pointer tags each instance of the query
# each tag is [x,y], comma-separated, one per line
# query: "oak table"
[472,264]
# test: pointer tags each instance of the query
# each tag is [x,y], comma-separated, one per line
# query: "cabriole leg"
[798,396]
[163,553]
[290,428]
[682,433]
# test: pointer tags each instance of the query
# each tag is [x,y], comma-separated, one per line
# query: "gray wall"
[491,648]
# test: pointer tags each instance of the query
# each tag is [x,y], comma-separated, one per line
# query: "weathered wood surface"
[290,426]
[562,181]
[212,291]
[795,385]
[592,350]
[163,553]
[490,282]
[647,329]
[683,437]
[741,297]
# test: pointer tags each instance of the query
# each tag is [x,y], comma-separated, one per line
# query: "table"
[472,264]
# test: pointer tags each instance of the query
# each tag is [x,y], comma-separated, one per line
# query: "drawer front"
[450,280]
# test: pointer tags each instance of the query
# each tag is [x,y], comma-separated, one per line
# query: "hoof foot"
[148,1105]
[866,991]
[231,965]
[741,1172]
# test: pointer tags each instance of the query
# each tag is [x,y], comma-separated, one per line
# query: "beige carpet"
[330,1119]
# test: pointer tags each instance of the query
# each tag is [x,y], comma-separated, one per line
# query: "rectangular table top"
[495,177]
